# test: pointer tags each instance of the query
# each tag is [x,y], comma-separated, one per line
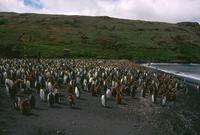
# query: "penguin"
[70,88]
[56,96]
[118,98]
[28,85]
[98,89]
[108,94]
[186,90]
[153,98]
[92,89]
[9,85]
[132,91]
[49,86]
[77,92]
[65,79]
[50,99]
[141,91]
[24,106]
[71,100]
[198,89]
[8,89]
[16,103]
[32,101]
[85,86]
[144,90]
[19,99]
[114,92]
[103,100]
[164,100]
[37,87]
[43,95]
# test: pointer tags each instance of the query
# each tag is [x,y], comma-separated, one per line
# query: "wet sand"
[190,80]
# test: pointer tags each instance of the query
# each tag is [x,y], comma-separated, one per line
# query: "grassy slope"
[99,37]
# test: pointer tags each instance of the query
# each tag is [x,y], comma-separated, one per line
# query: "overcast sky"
[152,10]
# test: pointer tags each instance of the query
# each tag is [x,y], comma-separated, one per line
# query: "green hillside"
[97,37]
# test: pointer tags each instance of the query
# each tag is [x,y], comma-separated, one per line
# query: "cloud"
[152,10]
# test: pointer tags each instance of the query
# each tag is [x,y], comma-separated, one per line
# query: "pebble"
[73,123]
[4,131]
[58,132]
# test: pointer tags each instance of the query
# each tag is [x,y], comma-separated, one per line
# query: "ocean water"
[191,71]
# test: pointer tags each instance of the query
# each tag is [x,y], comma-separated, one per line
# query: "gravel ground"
[136,116]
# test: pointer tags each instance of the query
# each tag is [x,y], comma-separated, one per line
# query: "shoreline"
[188,79]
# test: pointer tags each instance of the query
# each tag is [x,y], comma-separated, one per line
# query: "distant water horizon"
[189,70]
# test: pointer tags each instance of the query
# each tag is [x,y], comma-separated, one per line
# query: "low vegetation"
[28,35]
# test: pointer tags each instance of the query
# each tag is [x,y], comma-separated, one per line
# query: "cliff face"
[97,37]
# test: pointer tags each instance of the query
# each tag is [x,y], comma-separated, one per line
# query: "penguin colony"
[106,79]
